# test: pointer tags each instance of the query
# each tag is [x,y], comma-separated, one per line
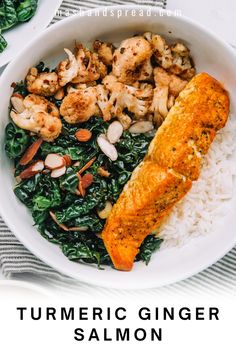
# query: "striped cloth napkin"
[16,261]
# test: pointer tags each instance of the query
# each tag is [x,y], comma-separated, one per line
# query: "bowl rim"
[5,214]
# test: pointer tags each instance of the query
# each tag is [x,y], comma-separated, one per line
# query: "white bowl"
[210,54]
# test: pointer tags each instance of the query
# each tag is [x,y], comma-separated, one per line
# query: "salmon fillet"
[166,174]
[142,205]
[201,109]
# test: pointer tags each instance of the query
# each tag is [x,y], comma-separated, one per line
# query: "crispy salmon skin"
[166,174]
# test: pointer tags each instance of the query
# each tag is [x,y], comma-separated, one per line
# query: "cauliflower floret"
[125,120]
[79,106]
[161,77]
[40,117]
[90,68]
[104,103]
[171,101]
[175,83]
[161,50]
[159,104]
[131,61]
[44,84]
[168,87]
[144,91]
[82,68]
[182,62]
[109,81]
[176,59]
[135,99]
[38,104]
[115,97]
[104,51]
[67,70]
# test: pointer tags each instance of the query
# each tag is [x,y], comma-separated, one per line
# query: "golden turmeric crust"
[142,205]
[166,175]
[201,109]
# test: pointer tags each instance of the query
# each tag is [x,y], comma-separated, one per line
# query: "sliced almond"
[87,165]
[77,192]
[54,161]
[17,102]
[87,180]
[78,228]
[31,152]
[114,132]
[64,227]
[32,170]
[107,148]
[18,179]
[83,135]
[76,164]
[103,214]
[58,172]
[102,172]
[141,127]
[54,218]
[67,159]
[81,189]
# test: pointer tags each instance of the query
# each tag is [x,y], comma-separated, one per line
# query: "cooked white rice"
[201,210]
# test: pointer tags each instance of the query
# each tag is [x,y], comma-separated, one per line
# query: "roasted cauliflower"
[182,62]
[80,105]
[67,69]
[105,51]
[39,116]
[117,97]
[90,68]
[131,61]
[174,83]
[176,58]
[161,50]
[139,80]
[44,84]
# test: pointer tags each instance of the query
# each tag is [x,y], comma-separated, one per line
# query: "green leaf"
[70,181]
[3,43]
[16,141]
[48,195]
[78,208]
[41,203]
[92,222]
[148,247]
[8,16]
[26,10]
